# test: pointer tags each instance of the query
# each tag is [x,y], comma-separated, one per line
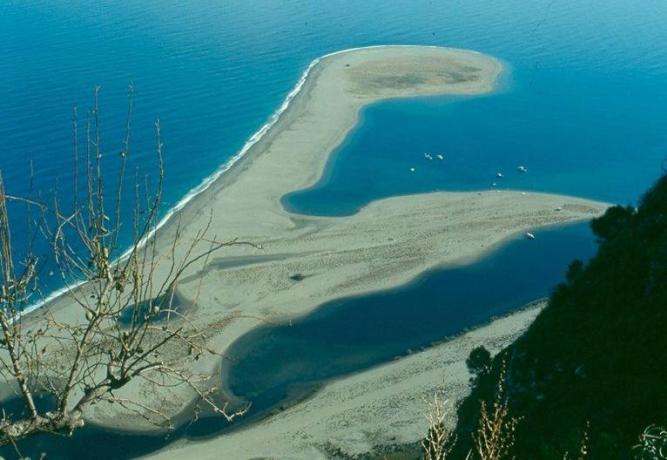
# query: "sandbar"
[387,243]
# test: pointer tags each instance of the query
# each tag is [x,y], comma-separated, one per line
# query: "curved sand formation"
[387,243]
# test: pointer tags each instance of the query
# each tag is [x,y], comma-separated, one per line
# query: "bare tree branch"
[130,327]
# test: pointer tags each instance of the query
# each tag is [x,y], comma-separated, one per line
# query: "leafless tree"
[495,434]
[652,444]
[439,440]
[492,440]
[126,324]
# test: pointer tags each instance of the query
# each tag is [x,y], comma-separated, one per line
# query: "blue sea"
[583,104]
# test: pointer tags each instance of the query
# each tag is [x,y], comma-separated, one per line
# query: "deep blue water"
[276,364]
[583,107]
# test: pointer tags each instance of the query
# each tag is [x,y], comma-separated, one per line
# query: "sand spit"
[387,243]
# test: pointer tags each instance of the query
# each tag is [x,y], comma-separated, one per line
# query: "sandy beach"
[387,243]
[365,412]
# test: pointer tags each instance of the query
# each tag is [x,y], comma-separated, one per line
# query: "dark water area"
[271,366]
[352,334]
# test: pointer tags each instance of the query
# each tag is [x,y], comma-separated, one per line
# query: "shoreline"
[357,415]
[386,244]
[310,391]
[237,157]
[455,264]
[225,174]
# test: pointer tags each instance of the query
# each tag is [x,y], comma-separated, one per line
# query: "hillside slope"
[597,353]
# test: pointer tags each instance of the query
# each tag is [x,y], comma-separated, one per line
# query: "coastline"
[386,244]
[226,168]
[365,412]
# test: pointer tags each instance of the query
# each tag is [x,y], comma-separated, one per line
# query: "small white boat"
[530,236]
[428,156]
[522,169]
[440,157]
[499,175]
[412,169]
[494,184]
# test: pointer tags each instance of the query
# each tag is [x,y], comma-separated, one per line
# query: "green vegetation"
[593,365]
[479,362]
